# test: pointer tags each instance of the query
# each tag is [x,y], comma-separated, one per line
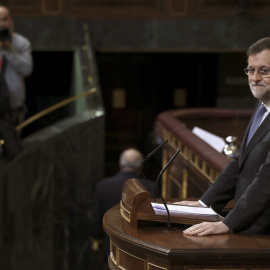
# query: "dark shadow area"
[47,195]
[155,82]
[49,84]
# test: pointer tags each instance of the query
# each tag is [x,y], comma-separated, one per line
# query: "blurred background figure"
[10,142]
[109,193]
[15,64]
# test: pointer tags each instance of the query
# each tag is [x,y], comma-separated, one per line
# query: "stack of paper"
[187,212]
[215,141]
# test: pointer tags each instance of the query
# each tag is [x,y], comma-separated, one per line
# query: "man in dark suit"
[10,144]
[247,177]
[109,191]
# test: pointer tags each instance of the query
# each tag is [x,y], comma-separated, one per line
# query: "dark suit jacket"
[4,98]
[108,194]
[247,180]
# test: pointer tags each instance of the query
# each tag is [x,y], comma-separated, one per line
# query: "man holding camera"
[15,64]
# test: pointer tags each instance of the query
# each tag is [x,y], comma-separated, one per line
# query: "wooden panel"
[172,250]
[15,3]
[141,8]
[228,8]
[51,7]
[23,7]
[111,3]
[178,8]
[151,266]
[183,181]
[215,268]
[215,8]
[114,2]
[129,261]
[115,8]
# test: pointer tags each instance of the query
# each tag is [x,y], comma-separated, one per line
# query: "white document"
[215,141]
[160,209]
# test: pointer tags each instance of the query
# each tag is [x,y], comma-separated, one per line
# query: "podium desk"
[149,247]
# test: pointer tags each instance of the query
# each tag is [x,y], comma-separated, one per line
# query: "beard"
[260,91]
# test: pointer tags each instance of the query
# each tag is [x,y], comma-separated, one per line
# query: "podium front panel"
[151,248]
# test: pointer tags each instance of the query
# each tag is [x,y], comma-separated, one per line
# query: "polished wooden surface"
[151,247]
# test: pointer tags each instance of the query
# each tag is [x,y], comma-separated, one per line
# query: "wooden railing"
[198,164]
[54,108]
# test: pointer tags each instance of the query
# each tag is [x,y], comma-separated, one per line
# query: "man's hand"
[207,228]
[189,203]
[204,228]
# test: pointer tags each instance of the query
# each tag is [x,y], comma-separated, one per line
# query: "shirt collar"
[267,106]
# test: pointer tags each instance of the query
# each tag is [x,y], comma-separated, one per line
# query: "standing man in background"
[109,192]
[15,63]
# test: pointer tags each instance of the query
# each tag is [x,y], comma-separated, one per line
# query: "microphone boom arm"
[160,174]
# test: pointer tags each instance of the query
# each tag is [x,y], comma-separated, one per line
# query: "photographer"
[15,64]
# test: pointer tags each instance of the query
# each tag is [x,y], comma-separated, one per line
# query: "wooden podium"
[135,245]
[135,208]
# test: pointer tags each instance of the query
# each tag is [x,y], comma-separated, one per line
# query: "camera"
[5,34]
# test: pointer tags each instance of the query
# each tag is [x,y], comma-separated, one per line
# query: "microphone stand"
[168,227]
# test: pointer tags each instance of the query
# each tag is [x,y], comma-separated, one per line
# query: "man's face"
[5,19]
[260,86]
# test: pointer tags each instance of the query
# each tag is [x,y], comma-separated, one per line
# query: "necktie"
[256,122]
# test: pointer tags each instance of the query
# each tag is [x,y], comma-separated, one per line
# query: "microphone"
[146,158]
[168,228]
[150,155]
[154,151]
